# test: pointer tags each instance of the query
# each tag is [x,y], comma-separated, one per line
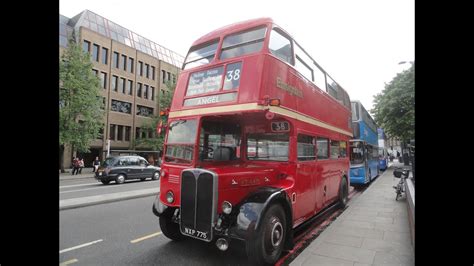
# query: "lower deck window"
[268,147]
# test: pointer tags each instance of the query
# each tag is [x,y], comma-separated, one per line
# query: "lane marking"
[68,262]
[145,237]
[96,183]
[80,246]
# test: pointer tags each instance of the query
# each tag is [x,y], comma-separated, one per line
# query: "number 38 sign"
[280,126]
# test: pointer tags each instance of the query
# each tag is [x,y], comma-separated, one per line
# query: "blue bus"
[364,149]
[383,153]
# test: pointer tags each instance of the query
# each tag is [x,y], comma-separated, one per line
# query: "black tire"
[142,179]
[155,176]
[105,182]
[266,246]
[170,229]
[343,193]
[120,179]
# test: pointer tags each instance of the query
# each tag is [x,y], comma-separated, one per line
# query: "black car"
[121,168]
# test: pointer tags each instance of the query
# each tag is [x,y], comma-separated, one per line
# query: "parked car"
[121,168]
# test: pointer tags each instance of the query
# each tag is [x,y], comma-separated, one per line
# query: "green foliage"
[165,99]
[394,107]
[81,105]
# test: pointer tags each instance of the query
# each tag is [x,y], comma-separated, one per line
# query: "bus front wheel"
[169,228]
[266,247]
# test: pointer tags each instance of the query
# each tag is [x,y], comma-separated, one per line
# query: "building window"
[112,132]
[123,64]
[169,76]
[115,59]
[122,85]
[114,83]
[144,111]
[153,73]
[152,91]
[127,133]
[103,79]
[163,74]
[121,107]
[147,70]
[139,90]
[95,52]
[150,133]
[95,72]
[86,46]
[105,52]
[174,79]
[130,65]
[119,132]
[145,91]
[140,68]
[130,87]
[137,133]
[322,145]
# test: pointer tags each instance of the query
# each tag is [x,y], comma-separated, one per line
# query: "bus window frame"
[285,35]
[306,133]
[200,46]
[262,50]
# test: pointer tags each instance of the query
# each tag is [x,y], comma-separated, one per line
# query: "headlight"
[169,196]
[226,207]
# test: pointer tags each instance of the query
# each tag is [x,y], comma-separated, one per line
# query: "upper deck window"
[201,54]
[243,43]
[303,63]
[280,46]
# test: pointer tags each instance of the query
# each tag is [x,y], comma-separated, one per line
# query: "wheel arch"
[250,212]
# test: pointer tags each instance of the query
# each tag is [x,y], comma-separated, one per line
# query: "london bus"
[364,147]
[256,142]
[383,153]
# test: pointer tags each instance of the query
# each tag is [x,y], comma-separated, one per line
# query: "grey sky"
[359,43]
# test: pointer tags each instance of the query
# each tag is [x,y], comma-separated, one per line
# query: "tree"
[156,143]
[81,105]
[394,107]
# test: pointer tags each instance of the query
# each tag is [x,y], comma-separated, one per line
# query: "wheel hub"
[276,233]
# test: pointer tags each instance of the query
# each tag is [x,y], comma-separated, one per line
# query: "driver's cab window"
[143,163]
[134,161]
[219,141]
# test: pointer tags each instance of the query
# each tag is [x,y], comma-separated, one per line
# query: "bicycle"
[400,187]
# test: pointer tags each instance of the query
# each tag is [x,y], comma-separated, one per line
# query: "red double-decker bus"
[256,142]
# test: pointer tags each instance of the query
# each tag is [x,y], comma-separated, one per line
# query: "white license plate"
[195,233]
[100,173]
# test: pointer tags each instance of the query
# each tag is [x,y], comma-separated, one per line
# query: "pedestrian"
[96,164]
[81,165]
[75,165]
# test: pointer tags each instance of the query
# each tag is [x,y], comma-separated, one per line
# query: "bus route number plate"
[280,126]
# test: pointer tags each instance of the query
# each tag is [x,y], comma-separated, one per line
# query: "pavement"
[87,172]
[99,199]
[373,230]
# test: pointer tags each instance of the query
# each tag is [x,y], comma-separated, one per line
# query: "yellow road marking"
[145,237]
[68,262]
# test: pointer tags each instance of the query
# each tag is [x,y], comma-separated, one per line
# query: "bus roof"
[231,28]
